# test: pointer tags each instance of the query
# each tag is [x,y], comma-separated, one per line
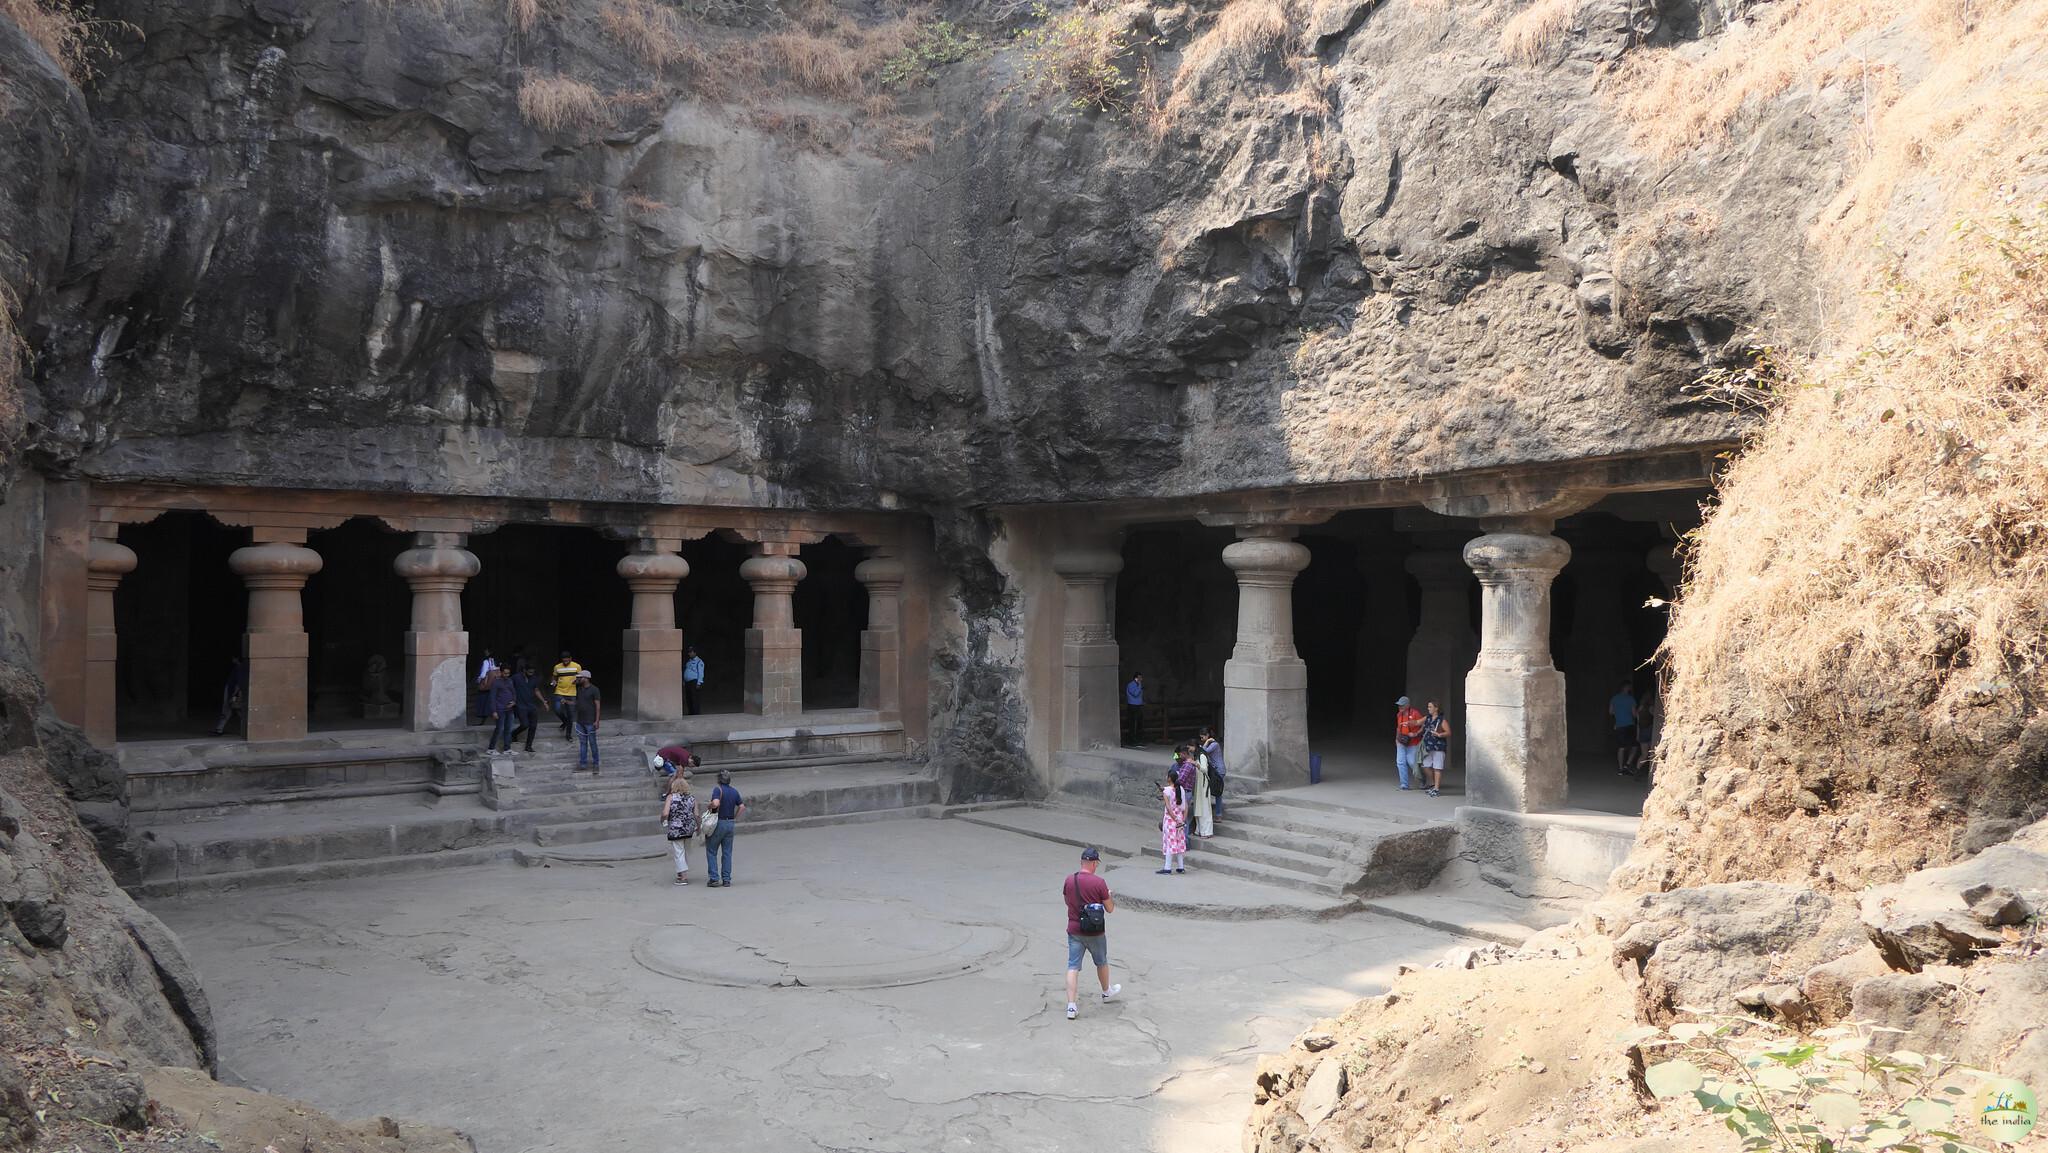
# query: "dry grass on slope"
[1533,34]
[1860,654]
[555,103]
[64,30]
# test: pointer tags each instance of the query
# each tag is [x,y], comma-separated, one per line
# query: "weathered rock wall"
[318,241]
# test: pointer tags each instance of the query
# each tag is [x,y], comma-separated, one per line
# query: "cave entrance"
[1176,621]
[180,617]
[357,608]
[831,609]
[544,589]
[714,608]
[1355,616]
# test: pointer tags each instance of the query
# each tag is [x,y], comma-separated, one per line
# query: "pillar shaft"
[1265,682]
[653,645]
[106,562]
[775,646]
[1090,696]
[437,685]
[1444,648]
[1514,695]
[881,643]
[274,646]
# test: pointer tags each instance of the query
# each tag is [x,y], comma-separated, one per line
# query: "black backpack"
[1093,919]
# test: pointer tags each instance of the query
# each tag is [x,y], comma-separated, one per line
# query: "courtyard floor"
[891,986]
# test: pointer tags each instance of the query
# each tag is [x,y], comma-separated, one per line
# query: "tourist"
[1184,768]
[1407,739]
[674,759]
[232,695]
[1173,826]
[588,710]
[1212,752]
[1627,744]
[1202,816]
[679,822]
[527,700]
[726,808]
[1436,741]
[480,701]
[504,710]
[1089,904]
[564,676]
[1134,709]
[693,679]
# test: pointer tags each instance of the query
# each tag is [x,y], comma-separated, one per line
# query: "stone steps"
[1250,870]
[764,806]
[1264,853]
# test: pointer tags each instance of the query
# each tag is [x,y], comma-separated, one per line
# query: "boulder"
[1323,1093]
[1953,914]
[1830,986]
[1701,947]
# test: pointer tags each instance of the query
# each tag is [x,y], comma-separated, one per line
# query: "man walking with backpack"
[1089,903]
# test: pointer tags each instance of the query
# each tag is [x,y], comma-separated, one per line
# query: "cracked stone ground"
[506,1001]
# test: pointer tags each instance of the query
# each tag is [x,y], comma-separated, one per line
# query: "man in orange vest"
[1407,739]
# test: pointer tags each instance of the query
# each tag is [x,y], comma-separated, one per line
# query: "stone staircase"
[1297,845]
[544,803]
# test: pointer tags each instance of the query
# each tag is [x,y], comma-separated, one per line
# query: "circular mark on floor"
[906,947]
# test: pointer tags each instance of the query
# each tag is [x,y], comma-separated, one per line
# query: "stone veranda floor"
[579,1007]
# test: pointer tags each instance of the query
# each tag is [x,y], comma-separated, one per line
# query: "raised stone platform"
[1560,854]
[258,845]
[170,780]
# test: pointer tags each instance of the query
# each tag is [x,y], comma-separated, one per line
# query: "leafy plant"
[1077,56]
[931,48]
[1829,1093]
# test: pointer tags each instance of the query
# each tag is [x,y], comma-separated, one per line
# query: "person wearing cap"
[1082,890]
[589,709]
[726,807]
[1407,739]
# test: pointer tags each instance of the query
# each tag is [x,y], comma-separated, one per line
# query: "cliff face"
[317,242]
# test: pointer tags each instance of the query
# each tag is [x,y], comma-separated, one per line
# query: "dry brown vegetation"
[652,34]
[1533,34]
[561,104]
[64,30]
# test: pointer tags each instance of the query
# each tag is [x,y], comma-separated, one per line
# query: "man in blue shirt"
[725,807]
[693,678]
[1134,709]
[1628,746]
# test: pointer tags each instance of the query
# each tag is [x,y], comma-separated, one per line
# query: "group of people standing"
[1192,795]
[512,696]
[683,818]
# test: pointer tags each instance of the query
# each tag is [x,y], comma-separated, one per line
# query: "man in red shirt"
[1089,903]
[1407,739]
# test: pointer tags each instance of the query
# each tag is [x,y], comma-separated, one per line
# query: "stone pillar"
[274,647]
[1514,696]
[1091,699]
[106,561]
[1444,647]
[775,646]
[1265,683]
[1599,652]
[881,643]
[653,645]
[437,683]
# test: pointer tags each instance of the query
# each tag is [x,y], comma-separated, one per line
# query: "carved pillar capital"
[106,562]
[437,646]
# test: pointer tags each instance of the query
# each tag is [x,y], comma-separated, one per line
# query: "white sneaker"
[1112,991]
[1073,1010]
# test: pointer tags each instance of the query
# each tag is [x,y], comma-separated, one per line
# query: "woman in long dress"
[1173,827]
[1204,812]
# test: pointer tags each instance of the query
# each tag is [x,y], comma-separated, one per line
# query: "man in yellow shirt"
[564,672]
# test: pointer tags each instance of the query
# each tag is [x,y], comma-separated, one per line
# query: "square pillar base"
[437,684]
[881,666]
[274,708]
[1265,720]
[653,679]
[1515,739]
[775,672]
[1093,712]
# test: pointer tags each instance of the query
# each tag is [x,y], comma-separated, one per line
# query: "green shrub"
[931,47]
[1077,57]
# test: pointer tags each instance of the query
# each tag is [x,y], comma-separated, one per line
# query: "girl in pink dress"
[1173,827]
